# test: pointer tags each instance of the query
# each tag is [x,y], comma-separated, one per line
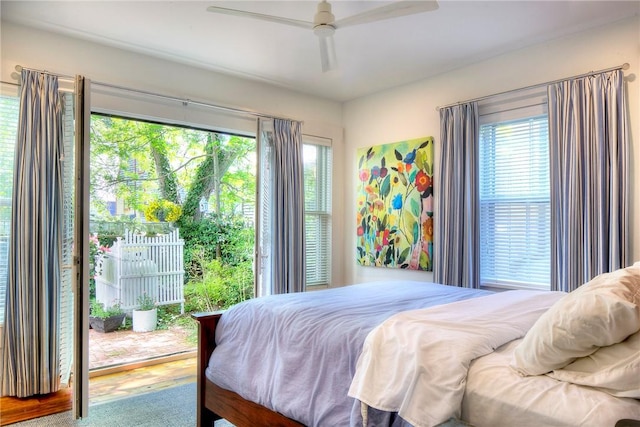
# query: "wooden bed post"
[207,323]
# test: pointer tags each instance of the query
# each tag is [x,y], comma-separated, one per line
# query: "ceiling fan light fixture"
[324,30]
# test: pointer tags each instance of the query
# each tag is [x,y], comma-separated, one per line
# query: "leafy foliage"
[218,260]
[138,162]
[220,286]
[98,309]
[226,238]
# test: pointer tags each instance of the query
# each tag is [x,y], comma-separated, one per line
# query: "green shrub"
[219,287]
[226,238]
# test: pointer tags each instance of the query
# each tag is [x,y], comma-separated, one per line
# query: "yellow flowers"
[162,210]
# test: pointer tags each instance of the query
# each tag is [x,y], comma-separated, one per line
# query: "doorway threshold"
[120,382]
[151,361]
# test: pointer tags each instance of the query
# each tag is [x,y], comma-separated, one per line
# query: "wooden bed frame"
[215,402]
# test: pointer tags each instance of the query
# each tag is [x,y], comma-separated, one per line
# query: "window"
[8,134]
[317,196]
[515,199]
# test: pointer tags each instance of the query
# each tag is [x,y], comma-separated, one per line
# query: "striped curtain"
[30,354]
[288,208]
[456,256]
[281,206]
[589,149]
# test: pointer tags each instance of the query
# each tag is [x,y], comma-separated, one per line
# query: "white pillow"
[614,369]
[602,312]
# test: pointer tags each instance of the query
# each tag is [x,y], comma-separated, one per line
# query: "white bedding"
[416,362]
[497,396]
[296,353]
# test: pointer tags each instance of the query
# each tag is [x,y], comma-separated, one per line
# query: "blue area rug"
[175,407]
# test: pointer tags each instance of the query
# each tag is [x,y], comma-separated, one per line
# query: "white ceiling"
[371,57]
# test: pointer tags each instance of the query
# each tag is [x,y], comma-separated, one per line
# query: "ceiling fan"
[324,23]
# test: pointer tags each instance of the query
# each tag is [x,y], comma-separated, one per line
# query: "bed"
[361,355]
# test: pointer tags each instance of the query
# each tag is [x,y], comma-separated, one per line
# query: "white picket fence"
[137,264]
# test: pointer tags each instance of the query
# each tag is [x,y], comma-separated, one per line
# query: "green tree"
[121,164]
[139,162]
[214,175]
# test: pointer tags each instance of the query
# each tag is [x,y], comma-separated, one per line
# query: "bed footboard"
[241,412]
[214,402]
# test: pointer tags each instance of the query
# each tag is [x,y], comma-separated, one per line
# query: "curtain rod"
[623,67]
[184,101]
[17,77]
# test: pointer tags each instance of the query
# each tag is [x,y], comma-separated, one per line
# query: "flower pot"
[144,320]
[108,324]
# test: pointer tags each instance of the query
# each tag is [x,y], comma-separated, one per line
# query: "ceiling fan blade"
[392,10]
[328,58]
[261,16]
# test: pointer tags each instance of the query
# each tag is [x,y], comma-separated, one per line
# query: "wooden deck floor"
[106,385]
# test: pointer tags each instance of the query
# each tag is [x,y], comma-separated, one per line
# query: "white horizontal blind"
[515,203]
[66,274]
[8,134]
[263,208]
[317,195]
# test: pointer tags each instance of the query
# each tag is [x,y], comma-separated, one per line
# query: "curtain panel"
[457,256]
[281,239]
[30,359]
[288,208]
[589,144]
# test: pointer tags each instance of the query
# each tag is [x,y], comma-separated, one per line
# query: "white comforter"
[416,362]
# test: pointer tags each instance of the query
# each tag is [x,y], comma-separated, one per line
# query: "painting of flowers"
[395,205]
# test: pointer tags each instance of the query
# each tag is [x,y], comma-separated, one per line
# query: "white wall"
[43,50]
[410,112]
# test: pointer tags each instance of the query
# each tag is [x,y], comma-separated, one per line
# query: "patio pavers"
[119,347]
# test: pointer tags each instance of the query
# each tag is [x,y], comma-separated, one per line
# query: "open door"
[81,250]
[70,338]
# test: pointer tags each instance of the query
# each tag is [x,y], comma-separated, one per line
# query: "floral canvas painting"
[395,205]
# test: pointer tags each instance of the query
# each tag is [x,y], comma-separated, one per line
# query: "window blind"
[317,188]
[515,203]
[8,134]
[66,273]
[263,208]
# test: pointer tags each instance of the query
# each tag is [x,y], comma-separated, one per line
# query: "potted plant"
[104,319]
[145,316]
